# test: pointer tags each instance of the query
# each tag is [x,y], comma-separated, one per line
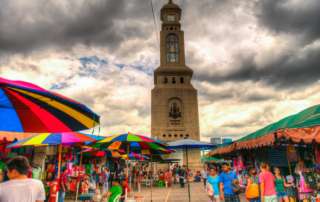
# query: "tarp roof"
[307,118]
[287,127]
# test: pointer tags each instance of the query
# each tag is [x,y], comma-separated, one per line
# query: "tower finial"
[170,2]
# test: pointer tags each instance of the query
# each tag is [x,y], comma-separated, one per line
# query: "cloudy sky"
[254,61]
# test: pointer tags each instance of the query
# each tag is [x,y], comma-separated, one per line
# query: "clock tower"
[174,103]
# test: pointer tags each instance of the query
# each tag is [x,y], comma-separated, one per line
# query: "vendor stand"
[291,143]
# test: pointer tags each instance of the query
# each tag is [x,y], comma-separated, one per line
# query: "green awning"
[307,118]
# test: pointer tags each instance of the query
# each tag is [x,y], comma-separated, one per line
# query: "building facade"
[174,102]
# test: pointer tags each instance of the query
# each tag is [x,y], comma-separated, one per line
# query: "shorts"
[272,198]
[231,198]
[281,194]
[254,199]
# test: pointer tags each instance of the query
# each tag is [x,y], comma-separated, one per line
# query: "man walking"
[19,187]
[182,176]
[227,179]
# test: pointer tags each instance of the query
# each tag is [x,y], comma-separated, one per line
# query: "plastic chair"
[161,184]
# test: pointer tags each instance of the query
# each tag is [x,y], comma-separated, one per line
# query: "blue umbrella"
[189,144]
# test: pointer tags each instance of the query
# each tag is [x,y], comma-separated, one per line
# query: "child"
[290,188]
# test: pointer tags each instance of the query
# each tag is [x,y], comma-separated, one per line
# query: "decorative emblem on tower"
[174,111]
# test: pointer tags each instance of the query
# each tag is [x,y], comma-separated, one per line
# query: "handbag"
[209,189]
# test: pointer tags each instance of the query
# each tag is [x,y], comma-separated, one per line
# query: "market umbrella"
[135,156]
[187,144]
[25,107]
[130,142]
[90,151]
[59,139]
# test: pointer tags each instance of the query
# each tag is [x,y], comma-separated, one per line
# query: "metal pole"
[188,174]
[77,192]
[152,173]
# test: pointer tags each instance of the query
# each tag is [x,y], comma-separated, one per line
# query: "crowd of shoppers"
[261,184]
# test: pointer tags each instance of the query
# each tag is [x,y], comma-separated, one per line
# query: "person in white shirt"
[20,188]
[204,176]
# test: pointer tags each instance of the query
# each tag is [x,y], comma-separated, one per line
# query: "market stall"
[291,143]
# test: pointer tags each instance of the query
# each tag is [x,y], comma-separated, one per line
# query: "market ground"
[174,194]
[177,194]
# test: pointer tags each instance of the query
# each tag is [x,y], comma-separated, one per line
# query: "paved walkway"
[173,194]
[176,194]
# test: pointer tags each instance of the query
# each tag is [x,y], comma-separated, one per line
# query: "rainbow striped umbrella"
[25,107]
[44,139]
[135,156]
[90,151]
[59,139]
[130,142]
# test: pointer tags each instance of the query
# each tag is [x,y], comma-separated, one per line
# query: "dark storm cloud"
[239,93]
[292,19]
[35,24]
[296,70]
[289,17]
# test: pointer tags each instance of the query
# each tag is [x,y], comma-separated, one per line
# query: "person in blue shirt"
[214,181]
[227,177]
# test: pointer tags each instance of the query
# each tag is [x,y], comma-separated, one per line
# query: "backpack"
[252,189]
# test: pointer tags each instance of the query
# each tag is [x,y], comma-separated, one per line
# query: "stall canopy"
[303,126]
[11,136]
[25,107]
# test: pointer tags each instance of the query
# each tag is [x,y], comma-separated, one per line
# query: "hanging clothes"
[317,154]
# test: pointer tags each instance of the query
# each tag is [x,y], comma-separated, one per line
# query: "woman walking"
[280,186]
[252,189]
[267,186]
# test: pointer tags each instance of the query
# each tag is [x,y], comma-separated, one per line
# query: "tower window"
[164,135]
[181,80]
[170,135]
[173,80]
[172,46]
[165,80]
[175,135]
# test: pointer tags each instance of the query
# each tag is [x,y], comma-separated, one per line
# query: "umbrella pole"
[78,184]
[151,180]
[59,165]
[59,159]
[188,174]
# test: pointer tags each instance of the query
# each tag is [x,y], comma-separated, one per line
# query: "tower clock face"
[171,18]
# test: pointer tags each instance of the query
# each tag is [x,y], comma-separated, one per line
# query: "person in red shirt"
[63,185]
[168,178]
[85,185]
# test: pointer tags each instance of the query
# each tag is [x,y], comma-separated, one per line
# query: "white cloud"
[120,89]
